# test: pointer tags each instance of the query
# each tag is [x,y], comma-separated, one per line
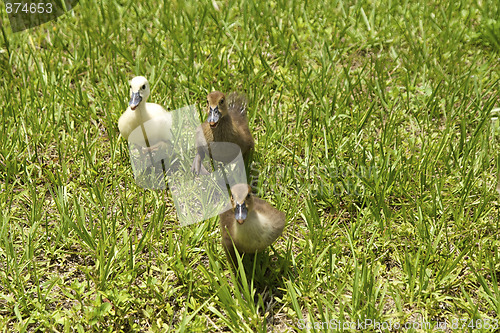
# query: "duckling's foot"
[151,149]
[147,150]
[203,171]
[198,168]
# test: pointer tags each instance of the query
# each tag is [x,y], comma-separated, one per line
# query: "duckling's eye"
[248,196]
[143,87]
[221,101]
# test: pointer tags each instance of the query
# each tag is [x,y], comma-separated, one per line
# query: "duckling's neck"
[140,111]
[224,122]
[255,234]
[224,129]
[140,108]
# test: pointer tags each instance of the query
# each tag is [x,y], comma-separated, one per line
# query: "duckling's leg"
[197,167]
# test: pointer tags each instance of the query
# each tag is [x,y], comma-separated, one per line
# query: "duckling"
[156,122]
[251,224]
[225,131]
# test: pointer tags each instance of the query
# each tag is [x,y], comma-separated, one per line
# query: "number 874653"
[32,8]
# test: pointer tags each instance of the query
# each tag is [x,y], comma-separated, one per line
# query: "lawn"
[377,132]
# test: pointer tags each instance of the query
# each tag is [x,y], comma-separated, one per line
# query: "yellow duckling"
[156,123]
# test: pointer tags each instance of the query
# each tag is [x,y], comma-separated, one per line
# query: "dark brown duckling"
[225,131]
[251,224]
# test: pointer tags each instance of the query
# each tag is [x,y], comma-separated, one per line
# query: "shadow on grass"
[247,298]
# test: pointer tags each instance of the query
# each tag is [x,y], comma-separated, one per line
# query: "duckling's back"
[237,110]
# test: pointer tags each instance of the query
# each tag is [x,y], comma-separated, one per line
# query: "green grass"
[376,127]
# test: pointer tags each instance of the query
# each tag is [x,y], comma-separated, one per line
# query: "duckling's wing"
[237,104]
[157,124]
[127,123]
[237,108]
[226,223]
[276,217]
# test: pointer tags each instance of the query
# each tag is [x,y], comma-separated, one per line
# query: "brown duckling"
[251,224]
[225,131]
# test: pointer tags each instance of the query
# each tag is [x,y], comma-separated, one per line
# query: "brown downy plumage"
[251,224]
[227,122]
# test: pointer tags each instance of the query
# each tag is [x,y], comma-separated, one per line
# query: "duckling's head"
[217,108]
[242,201]
[139,91]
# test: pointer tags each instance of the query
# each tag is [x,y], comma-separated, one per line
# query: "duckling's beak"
[213,116]
[240,213]
[135,99]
